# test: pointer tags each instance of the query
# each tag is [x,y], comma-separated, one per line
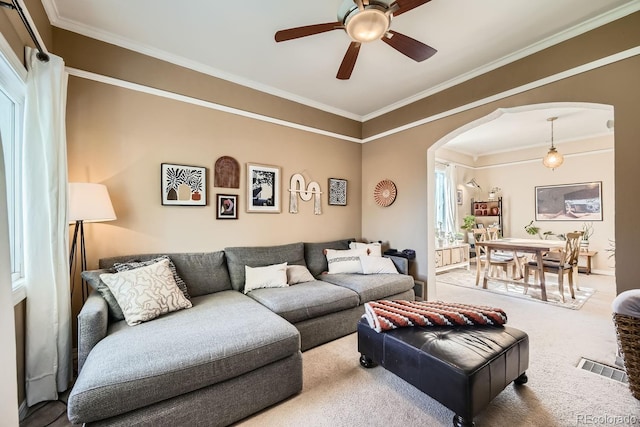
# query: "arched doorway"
[504,149]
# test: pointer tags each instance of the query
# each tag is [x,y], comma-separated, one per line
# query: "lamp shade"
[367,25]
[90,203]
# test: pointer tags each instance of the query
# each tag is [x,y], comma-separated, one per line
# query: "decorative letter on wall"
[298,185]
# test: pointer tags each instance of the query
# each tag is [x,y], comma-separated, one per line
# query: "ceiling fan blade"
[308,30]
[349,61]
[407,5]
[412,48]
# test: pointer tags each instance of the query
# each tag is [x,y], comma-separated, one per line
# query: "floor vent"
[615,374]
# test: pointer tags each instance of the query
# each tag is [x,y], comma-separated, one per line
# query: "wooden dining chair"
[505,260]
[560,262]
[499,261]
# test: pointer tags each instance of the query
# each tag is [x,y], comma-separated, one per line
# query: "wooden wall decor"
[226,173]
[385,193]
[298,187]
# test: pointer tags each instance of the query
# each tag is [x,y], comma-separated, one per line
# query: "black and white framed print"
[263,188]
[337,192]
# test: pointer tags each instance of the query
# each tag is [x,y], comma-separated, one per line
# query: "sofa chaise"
[230,354]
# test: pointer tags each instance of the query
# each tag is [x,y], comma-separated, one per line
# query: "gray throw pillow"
[136,263]
[92,277]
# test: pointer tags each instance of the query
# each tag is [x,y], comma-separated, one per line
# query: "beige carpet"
[338,392]
[467,278]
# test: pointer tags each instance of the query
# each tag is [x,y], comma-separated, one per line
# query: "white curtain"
[452,217]
[46,269]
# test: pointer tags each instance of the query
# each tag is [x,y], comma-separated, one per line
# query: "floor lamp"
[88,202]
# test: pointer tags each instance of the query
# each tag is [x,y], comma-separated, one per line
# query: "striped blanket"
[385,315]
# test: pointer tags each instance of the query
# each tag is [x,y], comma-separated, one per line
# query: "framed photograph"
[459,196]
[183,185]
[227,206]
[263,188]
[337,192]
[569,202]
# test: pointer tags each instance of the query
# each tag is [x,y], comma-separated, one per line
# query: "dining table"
[517,246]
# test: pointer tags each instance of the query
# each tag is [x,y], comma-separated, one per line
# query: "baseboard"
[22,411]
[610,272]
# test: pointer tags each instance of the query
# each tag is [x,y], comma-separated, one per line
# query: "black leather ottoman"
[463,368]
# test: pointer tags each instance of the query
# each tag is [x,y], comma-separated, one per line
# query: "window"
[12,95]
[445,206]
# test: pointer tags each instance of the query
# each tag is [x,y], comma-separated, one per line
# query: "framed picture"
[263,188]
[337,192]
[459,196]
[226,206]
[569,202]
[183,185]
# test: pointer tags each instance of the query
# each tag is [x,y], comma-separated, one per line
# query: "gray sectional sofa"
[228,356]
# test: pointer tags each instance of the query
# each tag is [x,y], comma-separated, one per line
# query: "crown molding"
[199,102]
[70,25]
[143,49]
[570,33]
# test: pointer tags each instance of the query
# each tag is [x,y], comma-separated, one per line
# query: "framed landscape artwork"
[183,185]
[263,188]
[569,202]
[337,192]
[227,206]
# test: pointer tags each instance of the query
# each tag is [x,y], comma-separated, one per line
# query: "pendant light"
[553,159]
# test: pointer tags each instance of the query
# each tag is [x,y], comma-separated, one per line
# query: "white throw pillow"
[375,249]
[146,292]
[345,261]
[298,274]
[377,265]
[271,276]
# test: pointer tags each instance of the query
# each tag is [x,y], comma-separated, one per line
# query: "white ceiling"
[234,40]
[520,128]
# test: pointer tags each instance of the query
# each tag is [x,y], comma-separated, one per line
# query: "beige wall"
[120,137]
[403,158]
[105,59]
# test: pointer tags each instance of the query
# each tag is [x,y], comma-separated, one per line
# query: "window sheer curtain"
[46,233]
[446,218]
[8,390]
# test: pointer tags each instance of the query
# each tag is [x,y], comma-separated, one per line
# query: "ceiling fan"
[365,21]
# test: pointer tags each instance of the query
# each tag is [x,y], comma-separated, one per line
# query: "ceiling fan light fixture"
[553,159]
[367,25]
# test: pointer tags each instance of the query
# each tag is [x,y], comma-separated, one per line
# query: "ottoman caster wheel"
[522,379]
[458,421]
[365,362]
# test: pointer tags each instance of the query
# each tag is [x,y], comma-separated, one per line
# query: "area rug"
[512,288]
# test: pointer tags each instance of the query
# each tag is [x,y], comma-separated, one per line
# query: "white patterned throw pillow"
[344,261]
[375,248]
[146,293]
